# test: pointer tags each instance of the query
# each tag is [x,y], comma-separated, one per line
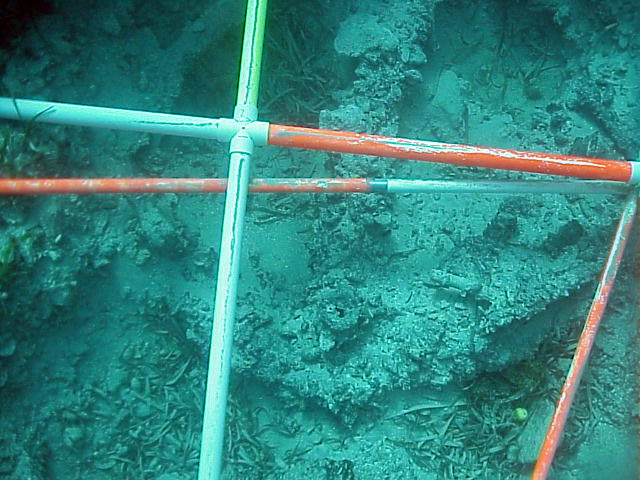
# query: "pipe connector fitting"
[245,117]
[634,178]
[245,113]
[241,142]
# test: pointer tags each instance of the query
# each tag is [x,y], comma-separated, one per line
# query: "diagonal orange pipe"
[587,338]
[381,146]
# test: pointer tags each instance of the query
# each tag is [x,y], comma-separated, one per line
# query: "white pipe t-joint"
[241,142]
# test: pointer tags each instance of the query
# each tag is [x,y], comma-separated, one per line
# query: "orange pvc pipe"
[49,186]
[587,338]
[311,185]
[378,145]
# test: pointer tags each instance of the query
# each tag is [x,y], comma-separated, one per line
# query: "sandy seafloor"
[377,337]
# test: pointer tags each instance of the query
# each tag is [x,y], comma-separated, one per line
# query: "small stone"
[115,379]
[142,256]
[72,436]
[8,347]
[198,25]
[136,384]
[110,24]
[142,410]
[68,416]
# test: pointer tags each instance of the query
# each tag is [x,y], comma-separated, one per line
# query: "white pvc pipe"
[221,129]
[217,389]
[504,186]
[241,149]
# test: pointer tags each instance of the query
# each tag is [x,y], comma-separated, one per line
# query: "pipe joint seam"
[245,116]
[634,178]
[241,142]
[245,112]
[258,131]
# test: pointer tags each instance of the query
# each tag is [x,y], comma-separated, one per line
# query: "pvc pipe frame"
[80,186]
[585,343]
[263,133]
[243,131]
[240,149]
[496,158]
[220,129]
[221,346]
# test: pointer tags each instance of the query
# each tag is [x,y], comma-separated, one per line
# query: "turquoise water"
[377,337]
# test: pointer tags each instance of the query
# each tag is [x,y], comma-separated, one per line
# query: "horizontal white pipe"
[505,186]
[221,129]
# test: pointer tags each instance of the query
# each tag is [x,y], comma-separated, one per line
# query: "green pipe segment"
[249,79]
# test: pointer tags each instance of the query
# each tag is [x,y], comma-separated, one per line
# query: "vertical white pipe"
[241,149]
[211,448]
